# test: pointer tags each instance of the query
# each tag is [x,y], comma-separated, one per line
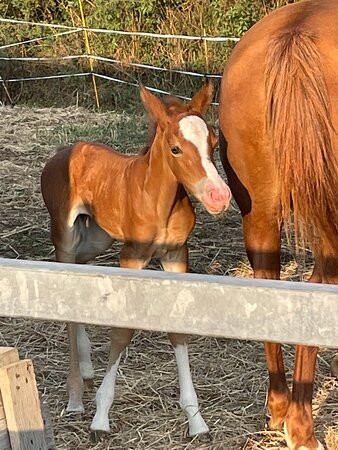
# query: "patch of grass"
[123,131]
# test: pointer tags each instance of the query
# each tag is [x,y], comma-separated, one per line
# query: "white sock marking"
[188,397]
[195,130]
[104,399]
[84,349]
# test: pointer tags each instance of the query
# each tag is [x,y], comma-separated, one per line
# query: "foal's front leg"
[133,258]
[177,261]
[119,338]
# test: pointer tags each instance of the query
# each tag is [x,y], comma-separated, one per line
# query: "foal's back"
[92,179]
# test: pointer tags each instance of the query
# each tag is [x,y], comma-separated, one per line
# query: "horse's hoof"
[312,443]
[75,408]
[100,424]
[86,370]
[197,426]
[273,425]
[97,436]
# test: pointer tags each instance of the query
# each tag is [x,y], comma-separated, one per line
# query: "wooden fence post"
[20,409]
[8,355]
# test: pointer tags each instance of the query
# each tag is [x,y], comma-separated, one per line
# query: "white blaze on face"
[195,130]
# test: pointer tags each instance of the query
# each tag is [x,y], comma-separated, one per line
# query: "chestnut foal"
[95,194]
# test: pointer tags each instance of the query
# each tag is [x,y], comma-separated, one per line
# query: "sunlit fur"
[279,147]
[95,194]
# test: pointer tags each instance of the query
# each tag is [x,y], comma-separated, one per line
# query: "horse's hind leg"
[177,261]
[298,426]
[299,429]
[84,350]
[78,244]
[330,276]
[75,384]
[316,277]
[262,241]
[261,228]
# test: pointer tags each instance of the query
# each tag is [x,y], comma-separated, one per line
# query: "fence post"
[88,50]
[22,423]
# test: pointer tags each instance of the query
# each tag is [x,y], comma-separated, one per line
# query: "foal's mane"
[174,106]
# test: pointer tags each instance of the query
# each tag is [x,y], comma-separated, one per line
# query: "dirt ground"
[230,376]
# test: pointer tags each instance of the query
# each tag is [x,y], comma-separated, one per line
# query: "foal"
[95,194]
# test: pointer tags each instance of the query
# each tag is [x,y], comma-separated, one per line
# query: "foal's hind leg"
[78,243]
[262,241]
[177,261]
[84,350]
[74,380]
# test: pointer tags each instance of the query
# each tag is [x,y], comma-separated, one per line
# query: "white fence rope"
[159,91]
[47,77]
[71,30]
[108,60]
[39,38]
[105,77]
[126,33]
[41,58]
[148,66]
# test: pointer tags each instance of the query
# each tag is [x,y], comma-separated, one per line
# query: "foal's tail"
[300,124]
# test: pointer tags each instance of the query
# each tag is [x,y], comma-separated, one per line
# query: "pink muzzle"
[216,197]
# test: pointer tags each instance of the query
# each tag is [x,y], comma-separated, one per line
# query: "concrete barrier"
[238,308]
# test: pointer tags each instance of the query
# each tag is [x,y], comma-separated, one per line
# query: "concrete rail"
[237,308]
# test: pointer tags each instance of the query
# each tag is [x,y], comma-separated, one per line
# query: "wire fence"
[89,57]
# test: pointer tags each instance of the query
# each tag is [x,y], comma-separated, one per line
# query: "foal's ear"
[155,107]
[202,99]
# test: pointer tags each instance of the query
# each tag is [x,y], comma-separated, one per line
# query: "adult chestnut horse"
[95,194]
[278,116]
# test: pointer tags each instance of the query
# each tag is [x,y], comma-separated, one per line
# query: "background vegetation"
[192,17]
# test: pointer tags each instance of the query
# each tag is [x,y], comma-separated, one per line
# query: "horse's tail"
[299,122]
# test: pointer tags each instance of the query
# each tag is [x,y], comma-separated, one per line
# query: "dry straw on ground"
[230,376]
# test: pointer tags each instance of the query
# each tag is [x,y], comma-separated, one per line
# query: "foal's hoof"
[86,370]
[100,424]
[97,436]
[197,426]
[74,408]
[334,366]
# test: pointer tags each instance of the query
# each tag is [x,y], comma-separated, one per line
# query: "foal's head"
[188,145]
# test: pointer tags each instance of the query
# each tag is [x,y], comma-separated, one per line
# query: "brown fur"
[279,147]
[306,164]
[95,194]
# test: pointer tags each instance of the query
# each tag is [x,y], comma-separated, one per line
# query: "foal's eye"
[176,151]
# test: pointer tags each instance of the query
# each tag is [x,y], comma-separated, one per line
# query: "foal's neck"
[160,183]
